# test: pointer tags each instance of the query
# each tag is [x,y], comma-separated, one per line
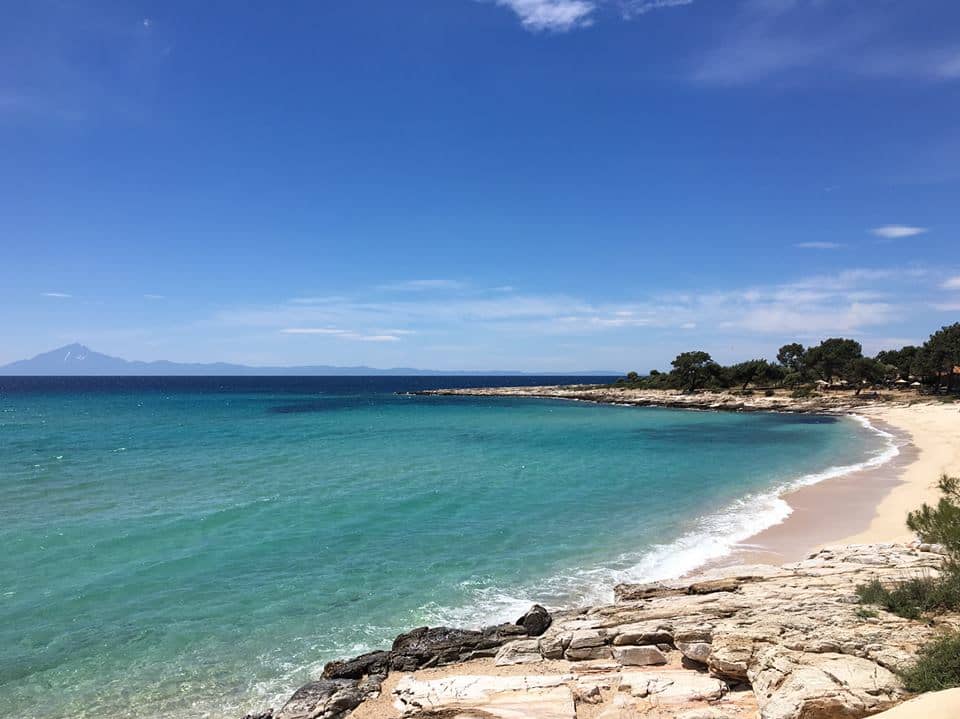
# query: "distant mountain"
[79,360]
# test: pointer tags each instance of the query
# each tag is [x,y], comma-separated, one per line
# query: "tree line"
[935,364]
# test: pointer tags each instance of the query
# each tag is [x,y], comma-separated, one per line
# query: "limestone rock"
[580,654]
[798,685]
[639,656]
[534,696]
[522,651]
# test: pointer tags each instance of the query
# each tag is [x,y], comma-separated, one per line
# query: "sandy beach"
[871,505]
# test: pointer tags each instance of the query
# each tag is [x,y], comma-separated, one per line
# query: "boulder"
[358,667]
[800,685]
[522,651]
[324,699]
[536,621]
[639,656]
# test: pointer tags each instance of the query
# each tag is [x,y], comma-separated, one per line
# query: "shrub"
[941,524]
[768,393]
[803,393]
[913,597]
[937,666]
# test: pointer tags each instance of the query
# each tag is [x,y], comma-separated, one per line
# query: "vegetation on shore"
[938,664]
[835,360]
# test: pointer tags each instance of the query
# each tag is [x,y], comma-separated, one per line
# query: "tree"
[792,356]
[941,524]
[832,357]
[864,370]
[902,359]
[692,369]
[944,353]
[755,370]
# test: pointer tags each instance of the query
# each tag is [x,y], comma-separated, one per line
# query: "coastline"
[863,506]
[859,512]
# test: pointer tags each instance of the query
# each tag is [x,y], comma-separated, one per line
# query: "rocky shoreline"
[830,402]
[786,642]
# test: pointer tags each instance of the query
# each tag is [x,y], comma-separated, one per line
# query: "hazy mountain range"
[77,359]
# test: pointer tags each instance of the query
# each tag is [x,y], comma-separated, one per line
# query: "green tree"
[941,524]
[943,350]
[755,370]
[865,370]
[792,356]
[693,369]
[902,359]
[832,357]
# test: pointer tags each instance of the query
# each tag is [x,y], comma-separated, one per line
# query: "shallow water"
[199,547]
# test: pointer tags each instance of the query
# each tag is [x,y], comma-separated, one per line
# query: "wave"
[713,537]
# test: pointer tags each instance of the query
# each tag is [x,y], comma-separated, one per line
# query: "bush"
[941,524]
[912,598]
[768,393]
[937,666]
[803,393]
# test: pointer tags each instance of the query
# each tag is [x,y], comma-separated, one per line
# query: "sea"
[199,547]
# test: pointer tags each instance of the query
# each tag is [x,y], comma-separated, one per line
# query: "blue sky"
[526,184]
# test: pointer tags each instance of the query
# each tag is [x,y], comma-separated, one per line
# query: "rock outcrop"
[788,642]
[830,402]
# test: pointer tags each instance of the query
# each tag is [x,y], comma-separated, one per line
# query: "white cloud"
[58,295]
[769,39]
[154,297]
[564,15]
[952,283]
[421,285]
[555,15]
[896,232]
[642,7]
[312,331]
[819,245]
[340,333]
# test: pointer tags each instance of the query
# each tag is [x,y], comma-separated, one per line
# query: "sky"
[551,185]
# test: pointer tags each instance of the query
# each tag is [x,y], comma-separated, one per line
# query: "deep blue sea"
[199,547]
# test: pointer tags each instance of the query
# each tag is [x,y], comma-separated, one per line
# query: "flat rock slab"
[470,697]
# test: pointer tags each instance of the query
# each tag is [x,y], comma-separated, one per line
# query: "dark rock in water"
[434,646]
[347,683]
[536,621]
[358,667]
[324,699]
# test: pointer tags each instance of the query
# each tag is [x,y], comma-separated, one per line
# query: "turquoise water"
[200,547]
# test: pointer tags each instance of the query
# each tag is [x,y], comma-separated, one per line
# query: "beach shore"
[870,505]
[860,507]
[725,643]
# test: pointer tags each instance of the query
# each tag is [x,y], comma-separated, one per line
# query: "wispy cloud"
[850,301]
[897,232]
[565,15]
[634,8]
[555,15]
[767,39]
[340,333]
[154,297]
[57,295]
[952,283]
[423,285]
[819,245]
